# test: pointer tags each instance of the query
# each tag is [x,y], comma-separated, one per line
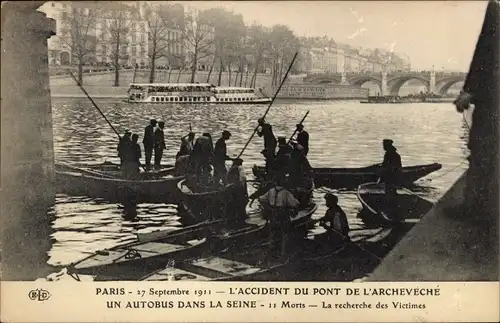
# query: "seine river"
[342,134]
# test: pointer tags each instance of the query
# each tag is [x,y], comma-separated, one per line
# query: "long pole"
[95,105]
[301,121]
[269,107]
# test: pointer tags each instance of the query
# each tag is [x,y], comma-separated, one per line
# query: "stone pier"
[27,168]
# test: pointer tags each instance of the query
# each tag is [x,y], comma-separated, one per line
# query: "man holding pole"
[303,138]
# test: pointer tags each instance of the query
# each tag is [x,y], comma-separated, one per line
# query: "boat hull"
[242,261]
[162,190]
[353,177]
[406,206]
[228,202]
[255,101]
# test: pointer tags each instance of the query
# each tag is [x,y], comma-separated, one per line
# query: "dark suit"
[148,142]
[303,140]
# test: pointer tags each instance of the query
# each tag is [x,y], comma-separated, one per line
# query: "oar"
[301,121]
[95,105]
[270,104]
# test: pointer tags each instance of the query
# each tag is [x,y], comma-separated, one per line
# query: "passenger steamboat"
[192,93]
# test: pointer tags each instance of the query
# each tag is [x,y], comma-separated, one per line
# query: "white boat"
[193,93]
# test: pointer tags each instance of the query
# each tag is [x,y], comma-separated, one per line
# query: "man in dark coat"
[266,131]
[303,138]
[159,137]
[122,143]
[391,167]
[131,158]
[220,157]
[148,141]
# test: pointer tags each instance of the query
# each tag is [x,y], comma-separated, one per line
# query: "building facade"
[59,50]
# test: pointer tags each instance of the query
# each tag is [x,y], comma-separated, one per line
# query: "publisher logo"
[39,295]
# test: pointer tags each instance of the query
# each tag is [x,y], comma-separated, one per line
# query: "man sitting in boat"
[131,158]
[122,143]
[301,174]
[391,168]
[279,205]
[266,131]
[220,157]
[335,219]
[186,145]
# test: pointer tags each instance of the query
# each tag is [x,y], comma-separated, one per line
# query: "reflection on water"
[342,135]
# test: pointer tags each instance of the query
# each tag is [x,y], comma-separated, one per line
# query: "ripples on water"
[343,134]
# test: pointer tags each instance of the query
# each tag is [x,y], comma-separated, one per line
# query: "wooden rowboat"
[217,201]
[406,206]
[353,177]
[113,170]
[72,180]
[241,262]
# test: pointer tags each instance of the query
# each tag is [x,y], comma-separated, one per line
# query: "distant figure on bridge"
[148,141]
[303,138]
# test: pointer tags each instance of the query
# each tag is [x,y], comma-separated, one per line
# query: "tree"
[198,34]
[117,24]
[156,18]
[77,29]
[259,46]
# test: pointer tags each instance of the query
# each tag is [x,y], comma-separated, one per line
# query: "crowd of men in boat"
[289,174]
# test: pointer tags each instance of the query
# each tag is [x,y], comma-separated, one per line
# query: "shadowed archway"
[395,84]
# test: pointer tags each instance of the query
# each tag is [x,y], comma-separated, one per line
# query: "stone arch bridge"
[390,83]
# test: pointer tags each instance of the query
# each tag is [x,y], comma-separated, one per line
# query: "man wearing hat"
[187,143]
[220,157]
[122,143]
[159,137]
[266,131]
[281,205]
[391,168]
[236,175]
[303,138]
[149,142]
[335,219]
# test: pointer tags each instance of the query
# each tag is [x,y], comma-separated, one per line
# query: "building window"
[53,4]
[64,15]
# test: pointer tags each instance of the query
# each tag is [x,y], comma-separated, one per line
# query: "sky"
[439,34]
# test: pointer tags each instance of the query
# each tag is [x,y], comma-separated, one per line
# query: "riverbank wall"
[443,247]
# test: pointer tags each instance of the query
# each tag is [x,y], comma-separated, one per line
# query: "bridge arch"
[359,81]
[324,80]
[395,84]
[443,85]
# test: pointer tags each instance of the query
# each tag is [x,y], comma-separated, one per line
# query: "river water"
[342,134]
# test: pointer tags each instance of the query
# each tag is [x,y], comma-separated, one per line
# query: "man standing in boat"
[280,205]
[122,144]
[266,131]
[131,158]
[220,157]
[236,175]
[148,141]
[282,160]
[303,138]
[301,174]
[187,143]
[200,159]
[391,171]
[159,144]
